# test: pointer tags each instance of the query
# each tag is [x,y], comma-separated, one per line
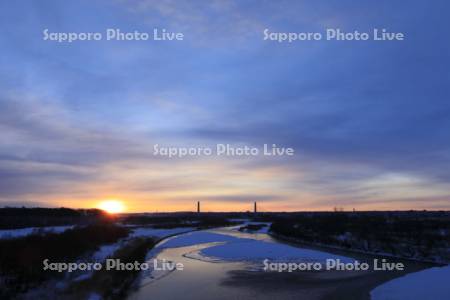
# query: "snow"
[94,296]
[239,220]
[99,256]
[160,233]
[229,244]
[429,284]
[235,248]
[195,238]
[264,229]
[106,251]
[249,249]
[84,276]
[16,233]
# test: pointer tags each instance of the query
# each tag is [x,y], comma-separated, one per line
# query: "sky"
[369,121]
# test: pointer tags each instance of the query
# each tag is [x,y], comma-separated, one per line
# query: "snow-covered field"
[15,233]
[429,284]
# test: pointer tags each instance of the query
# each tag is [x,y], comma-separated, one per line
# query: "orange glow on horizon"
[112,206]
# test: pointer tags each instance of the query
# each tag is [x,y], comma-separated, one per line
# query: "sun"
[112,206]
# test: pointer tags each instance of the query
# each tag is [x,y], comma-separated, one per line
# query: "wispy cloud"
[368,121]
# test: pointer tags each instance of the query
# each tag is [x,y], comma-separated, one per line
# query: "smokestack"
[254,207]
[198,206]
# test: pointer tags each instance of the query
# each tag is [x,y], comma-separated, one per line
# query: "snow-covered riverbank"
[21,232]
[429,284]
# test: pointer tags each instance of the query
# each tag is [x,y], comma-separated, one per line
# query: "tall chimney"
[198,206]
[254,207]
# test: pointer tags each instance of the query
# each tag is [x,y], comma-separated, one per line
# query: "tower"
[254,207]
[198,206]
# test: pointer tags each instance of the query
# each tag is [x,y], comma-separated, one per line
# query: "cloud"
[206,22]
[80,120]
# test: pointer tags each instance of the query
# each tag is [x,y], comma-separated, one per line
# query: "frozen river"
[227,264]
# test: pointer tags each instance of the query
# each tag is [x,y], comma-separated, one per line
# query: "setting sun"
[112,206]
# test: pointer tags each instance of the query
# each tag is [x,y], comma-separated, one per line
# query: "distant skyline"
[369,120]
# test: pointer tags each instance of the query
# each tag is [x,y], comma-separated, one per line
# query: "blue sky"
[368,120]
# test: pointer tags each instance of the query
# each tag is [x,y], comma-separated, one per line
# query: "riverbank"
[352,252]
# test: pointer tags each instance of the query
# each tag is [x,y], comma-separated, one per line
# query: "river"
[227,264]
